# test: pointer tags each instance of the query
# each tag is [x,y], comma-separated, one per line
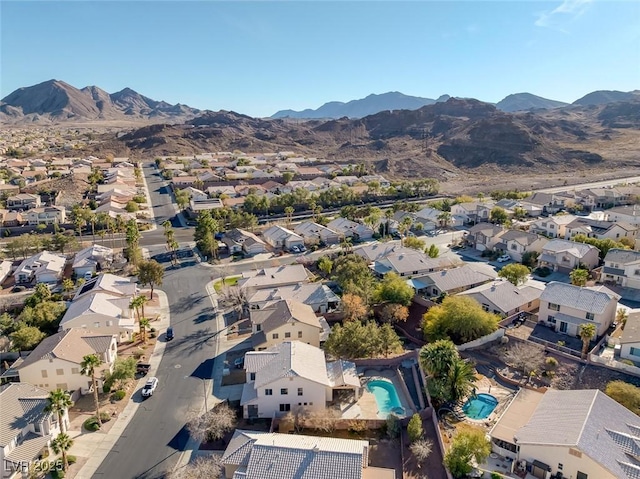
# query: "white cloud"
[565,12]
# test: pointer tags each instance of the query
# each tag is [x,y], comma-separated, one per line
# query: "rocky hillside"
[527,101]
[602,97]
[438,140]
[55,101]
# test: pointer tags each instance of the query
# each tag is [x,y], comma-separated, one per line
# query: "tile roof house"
[290,376]
[409,263]
[23,201]
[553,226]
[286,320]
[503,298]
[46,215]
[350,229]
[108,283]
[241,241]
[313,233]
[593,228]
[516,243]
[484,236]
[274,277]
[450,281]
[621,267]
[43,267]
[264,455]
[26,427]
[549,202]
[563,255]
[55,362]
[473,212]
[280,237]
[630,339]
[582,434]
[627,214]
[316,295]
[564,307]
[91,260]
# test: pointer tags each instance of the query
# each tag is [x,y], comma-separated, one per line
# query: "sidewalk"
[95,446]
[147,193]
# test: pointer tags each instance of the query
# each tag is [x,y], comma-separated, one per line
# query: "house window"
[285,407]
[275,336]
[590,316]
[60,372]
[284,391]
[258,327]
[300,392]
[75,370]
[96,324]
[554,307]
[299,334]
[514,246]
[634,351]
[287,334]
[252,376]
[109,323]
[551,319]
[637,272]
[581,475]
[560,466]
[485,307]
[529,304]
[44,373]
[268,392]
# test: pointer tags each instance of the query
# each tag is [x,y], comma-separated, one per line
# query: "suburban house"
[564,256]
[205,204]
[473,212]
[553,226]
[241,241]
[43,267]
[350,229]
[625,214]
[274,277]
[55,362]
[451,281]
[630,339]
[27,426]
[581,434]
[267,455]
[23,201]
[549,202]
[409,263]
[505,299]
[280,237]
[564,307]
[316,295]
[313,233]
[195,193]
[46,215]
[101,312]
[622,268]
[5,270]
[516,243]
[484,236]
[291,376]
[593,228]
[110,284]
[286,320]
[430,218]
[376,250]
[92,260]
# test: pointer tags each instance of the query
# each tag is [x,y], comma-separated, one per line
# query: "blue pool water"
[480,406]
[386,397]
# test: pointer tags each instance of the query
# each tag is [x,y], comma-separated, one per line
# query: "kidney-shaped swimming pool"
[386,397]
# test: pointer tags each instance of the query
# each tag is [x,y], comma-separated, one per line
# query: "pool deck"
[504,396]
[366,407]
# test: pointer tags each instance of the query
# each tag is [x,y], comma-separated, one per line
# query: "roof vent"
[316,448]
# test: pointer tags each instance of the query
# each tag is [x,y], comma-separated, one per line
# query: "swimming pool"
[386,397]
[480,406]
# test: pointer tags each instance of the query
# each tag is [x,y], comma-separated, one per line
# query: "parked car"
[143,368]
[294,249]
[504,258]
[149,387]
[169,334]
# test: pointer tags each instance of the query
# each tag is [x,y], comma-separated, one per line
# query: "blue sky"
[260,57]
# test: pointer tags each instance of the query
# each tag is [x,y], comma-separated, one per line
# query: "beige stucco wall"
[312,393]
[310,334]
[554,455]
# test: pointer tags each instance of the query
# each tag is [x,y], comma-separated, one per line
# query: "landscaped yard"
[232,281]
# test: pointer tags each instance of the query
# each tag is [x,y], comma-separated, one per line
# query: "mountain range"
[56,101]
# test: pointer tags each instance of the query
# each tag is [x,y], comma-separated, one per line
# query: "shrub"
[550,363]
[91,424]
[152,330]
[119,395]
[495,475]
[357,426]
[137,354]
[628,362]
[105,417]
[57,474]
[106,388]
[152,335]
[393,426]
[414,429]
[71,459]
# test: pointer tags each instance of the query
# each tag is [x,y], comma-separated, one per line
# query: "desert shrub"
[91,424]
[71,459]
[414,429]
[393,426]
[119,395]
[628,362]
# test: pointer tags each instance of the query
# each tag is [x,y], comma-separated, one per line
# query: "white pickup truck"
[149,387]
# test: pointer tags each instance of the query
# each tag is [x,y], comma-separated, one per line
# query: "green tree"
[499,216]
[414,243]
[353,275]
[356,339]
[459,318]
[182,199]
[287,176]
[144,324]
[437,358]
[205,234]
[289,210]
[460,380]
[61,445]
[59,402]
[626,394]
[150,273]
[530,259]
[88,367]
[515,273]
[26,338]
[433,251]
[469,445]
[394,289]
[587,332]
[325,265]
[579,277]
[132,235]
[67,285]
[603,245]
[388,340]
[445,217]
[414,428]
[123,370]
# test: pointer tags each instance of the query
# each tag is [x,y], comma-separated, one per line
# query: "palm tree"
[437,358]
[444,218]
[144,324]
[586,332]
[93,219]
[579,277]
[460,381]
[88,366]
[135,305]
[61,445]
[621,317]
[59,402]
[289,212]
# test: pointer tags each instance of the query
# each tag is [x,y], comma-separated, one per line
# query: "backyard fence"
[497,334]
[615,365]
[560,349]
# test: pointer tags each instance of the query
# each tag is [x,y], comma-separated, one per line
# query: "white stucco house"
[313,233]
[280,237]
[564,256]
[316,295]
[350,229]
[564,307]
[43,267]
[289,376]
[622,268]
[274,277]
[110,284]
[91,260]
[630,339]
[101,312]
[553,226]
[503,298]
